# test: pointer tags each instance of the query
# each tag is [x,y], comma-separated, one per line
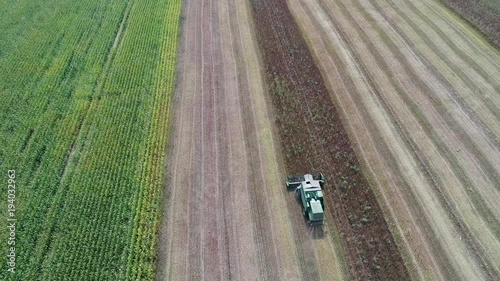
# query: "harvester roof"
[316,207]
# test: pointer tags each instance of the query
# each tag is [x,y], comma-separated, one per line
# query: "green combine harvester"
[308,189]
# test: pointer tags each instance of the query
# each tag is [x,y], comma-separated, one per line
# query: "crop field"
[419,92]
[310,126]
[412,174]
[85,93]
[150,140]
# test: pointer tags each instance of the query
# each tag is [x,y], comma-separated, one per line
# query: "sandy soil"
[227,214]
[418,90]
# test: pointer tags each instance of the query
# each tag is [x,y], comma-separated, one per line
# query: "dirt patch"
[313,139]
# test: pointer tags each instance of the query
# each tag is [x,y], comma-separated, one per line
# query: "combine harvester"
[308,189]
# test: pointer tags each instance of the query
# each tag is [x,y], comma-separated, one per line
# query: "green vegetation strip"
[85,96]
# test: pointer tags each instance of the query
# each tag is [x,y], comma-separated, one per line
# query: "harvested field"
[227,214]
[418,90]
[313,139]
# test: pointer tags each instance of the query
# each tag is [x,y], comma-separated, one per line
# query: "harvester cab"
[309,191]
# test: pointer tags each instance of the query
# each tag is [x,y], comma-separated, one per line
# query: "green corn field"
[85,90]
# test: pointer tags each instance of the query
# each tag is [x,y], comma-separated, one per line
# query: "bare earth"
[227,214]
[419,91]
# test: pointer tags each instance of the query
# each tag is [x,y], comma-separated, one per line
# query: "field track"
[418,89]
[227,214]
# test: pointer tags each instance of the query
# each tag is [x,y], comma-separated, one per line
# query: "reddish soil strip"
[313,139]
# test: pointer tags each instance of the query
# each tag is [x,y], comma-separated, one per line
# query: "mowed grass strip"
[85,98]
